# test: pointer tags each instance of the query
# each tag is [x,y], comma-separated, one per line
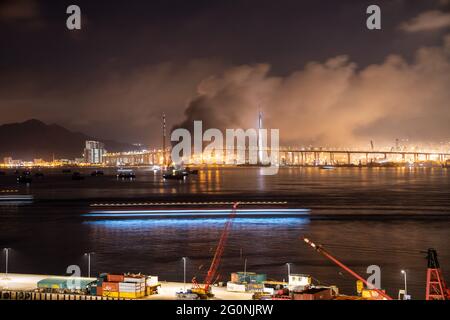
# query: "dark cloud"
[114,104]
[24,12]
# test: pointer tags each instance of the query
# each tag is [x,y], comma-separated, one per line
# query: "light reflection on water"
[139,224]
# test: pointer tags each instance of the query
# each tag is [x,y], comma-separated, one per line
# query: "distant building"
[8,160]
[79,160]
[38,162]
[94,152]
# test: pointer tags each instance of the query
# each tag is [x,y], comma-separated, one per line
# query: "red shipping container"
[99,291]
[110,286]
[115,277]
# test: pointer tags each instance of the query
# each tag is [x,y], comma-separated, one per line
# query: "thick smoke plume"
[334,102]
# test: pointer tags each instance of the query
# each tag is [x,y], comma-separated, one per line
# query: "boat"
[175,174]
[97,173]
[16,198]
[125,174]
[327,167]
[189,210]
[24,179]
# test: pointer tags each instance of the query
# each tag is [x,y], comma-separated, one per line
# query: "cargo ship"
[193,209]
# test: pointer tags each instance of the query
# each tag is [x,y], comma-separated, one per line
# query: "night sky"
[313,68]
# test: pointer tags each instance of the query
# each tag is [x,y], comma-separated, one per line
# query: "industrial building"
[94,152]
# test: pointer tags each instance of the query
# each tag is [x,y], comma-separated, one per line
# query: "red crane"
[436,287]
[205,291]
[321,250]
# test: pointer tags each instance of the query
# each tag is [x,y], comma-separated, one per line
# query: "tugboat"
[175,174]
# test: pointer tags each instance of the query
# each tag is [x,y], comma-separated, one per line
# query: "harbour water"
[364,216]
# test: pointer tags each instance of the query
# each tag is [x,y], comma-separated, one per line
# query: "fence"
[27,295]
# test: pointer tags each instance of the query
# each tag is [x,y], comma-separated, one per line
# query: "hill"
[33,139]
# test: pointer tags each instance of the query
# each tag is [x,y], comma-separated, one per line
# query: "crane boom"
[210,276]
[321,250]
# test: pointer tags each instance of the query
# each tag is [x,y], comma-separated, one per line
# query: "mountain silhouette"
[33,139]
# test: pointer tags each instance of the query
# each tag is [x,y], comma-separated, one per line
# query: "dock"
[167,291]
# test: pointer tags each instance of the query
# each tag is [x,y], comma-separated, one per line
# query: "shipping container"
[236,287]
[65,283]
[125,295]
[151,281]
[140,279]
[247,277]
[115,277]
[131,289]
[315,294]
[134,286]
[260,278]
[110,286]
[99,291]
[131,284]
[299,280]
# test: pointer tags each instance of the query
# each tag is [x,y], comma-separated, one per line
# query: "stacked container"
[246,282]
[248,277]
[122,286]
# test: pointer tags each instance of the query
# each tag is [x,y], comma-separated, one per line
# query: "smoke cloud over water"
[334,102]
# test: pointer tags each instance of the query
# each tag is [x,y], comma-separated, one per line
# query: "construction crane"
[321,250]
[204,291]
[436,287]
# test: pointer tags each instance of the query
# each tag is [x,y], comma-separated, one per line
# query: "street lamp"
[88,254]
[406,288]
[6,261]
[289,269]
[184,272]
